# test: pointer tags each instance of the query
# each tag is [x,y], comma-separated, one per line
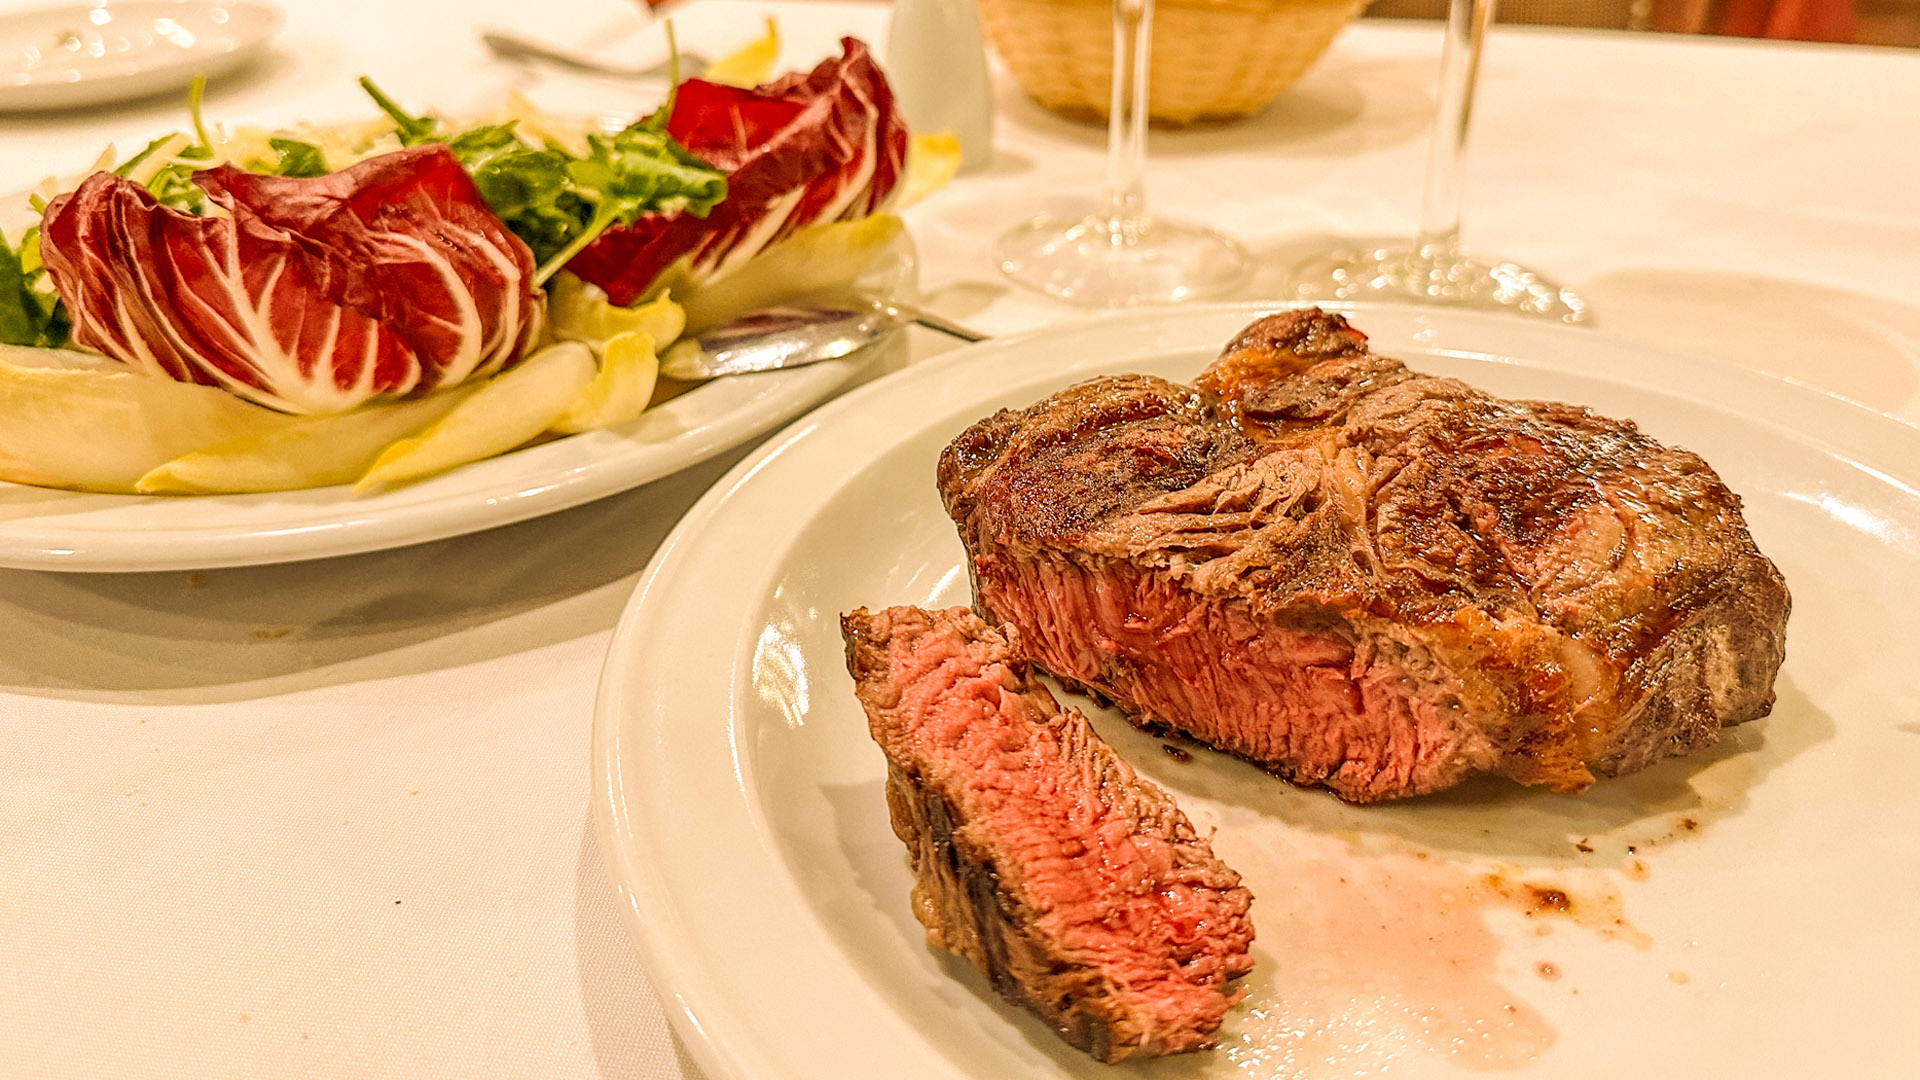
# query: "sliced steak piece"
[1363,577]
[1079,888]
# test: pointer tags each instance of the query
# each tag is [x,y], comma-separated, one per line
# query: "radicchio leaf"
[805,149]
[308,294]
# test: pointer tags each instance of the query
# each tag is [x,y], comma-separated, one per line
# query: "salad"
[256,311]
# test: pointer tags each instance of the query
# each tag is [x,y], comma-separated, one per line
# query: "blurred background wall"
[1867,22]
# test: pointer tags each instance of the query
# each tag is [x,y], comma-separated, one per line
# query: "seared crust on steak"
[1076,886]
[1360,576]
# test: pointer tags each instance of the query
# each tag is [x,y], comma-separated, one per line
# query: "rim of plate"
[253,23]
[319,523]
[726,1043]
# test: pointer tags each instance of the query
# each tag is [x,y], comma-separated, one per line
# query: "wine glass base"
[1443,279]
[1111,262]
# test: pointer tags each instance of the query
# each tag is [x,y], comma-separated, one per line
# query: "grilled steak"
[1079,888]
[1362,577]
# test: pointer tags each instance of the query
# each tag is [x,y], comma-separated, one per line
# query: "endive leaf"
[751,64]
[577,311]
[629,367]
[508,410]
[306,452]
[932,161]
[815,259]
[75,420]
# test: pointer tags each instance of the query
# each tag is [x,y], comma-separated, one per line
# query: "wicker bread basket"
[1212,59]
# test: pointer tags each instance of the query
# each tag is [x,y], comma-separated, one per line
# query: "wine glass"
[1119,255]
[1435,269]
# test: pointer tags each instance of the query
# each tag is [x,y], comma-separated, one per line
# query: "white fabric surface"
[331,819]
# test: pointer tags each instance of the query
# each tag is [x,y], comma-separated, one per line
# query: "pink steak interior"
[1121,898]
[1368,716]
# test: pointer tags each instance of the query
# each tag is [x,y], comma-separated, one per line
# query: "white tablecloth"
[332,819]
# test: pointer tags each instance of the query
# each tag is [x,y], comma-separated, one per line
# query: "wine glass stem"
[1439,240]
[1125,205]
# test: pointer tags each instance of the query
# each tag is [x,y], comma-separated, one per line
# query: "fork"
[513,47]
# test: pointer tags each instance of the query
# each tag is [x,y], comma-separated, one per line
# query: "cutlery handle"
[936,322]
[513,47]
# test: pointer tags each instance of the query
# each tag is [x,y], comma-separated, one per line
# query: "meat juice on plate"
[1386,944]
[1382,959]
[1396,955]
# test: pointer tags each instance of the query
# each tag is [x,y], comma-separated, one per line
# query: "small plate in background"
[93,53]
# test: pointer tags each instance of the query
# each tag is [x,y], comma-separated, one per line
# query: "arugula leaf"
[296,158]
[28,316]
[634,172]
[531,194]
[530,182]
[203,149]
[126,167]
[483,144]
[658,120]
[641,169]
[55,327]
[29,254]
[173,183]
[558,203]
[648,167]
[173,186]
[413,130]
[19,321]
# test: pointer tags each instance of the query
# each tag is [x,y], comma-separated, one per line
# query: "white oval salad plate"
[50,529]
[1747,911]
[76,55]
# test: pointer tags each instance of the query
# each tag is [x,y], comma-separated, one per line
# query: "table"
[332,819]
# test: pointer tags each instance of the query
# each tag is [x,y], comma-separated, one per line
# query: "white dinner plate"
[1748,911]
[92,53]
